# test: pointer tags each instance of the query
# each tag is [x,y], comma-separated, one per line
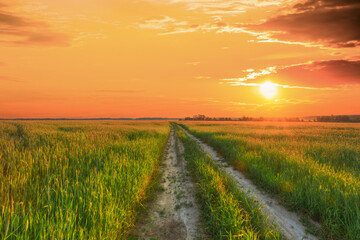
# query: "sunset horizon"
[178,58]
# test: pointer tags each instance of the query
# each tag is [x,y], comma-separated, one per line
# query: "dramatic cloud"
[318,4]
[328,22]
[312,75]
[16,30]
[345,71]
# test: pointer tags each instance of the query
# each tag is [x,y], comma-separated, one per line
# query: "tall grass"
[228,212]
[75,180]
[314,167]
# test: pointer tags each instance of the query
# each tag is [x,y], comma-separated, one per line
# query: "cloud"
[8,79]
[10,20]
[332,23]
[256,105]
[251,74]
[168,26]
[16,30]
[160,23]
[280,101]
[220,7]
[237,83]
[202,77]
[325,75]
[119,91]
[322,4]
[193,63]
[346,71]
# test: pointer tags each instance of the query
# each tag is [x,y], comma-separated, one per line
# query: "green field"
[75,180]
[91,179]
[312,167]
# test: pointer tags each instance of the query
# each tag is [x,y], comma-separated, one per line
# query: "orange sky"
[177,58]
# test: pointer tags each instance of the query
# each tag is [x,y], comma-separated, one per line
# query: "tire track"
[174,214]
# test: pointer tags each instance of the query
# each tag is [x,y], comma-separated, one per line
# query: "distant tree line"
[332,118]
[338,118]
[200,117]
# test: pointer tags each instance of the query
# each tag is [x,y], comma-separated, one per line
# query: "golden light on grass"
[268,89]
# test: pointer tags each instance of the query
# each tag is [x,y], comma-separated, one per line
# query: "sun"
[268,89]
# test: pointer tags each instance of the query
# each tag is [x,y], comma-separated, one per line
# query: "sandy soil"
[174,214]
[288,222]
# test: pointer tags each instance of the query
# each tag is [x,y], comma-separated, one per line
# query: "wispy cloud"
[251,74]
[161,23]
[170,26]
[280,101]
[9,79]
[18,30]
[220,7]
[202,77]
[236,83]
[122,91]
[275,102]
[193,63]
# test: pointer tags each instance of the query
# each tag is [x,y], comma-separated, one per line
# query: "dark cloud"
[348,71]
[323,73]
[318,4]
[17,30]
[10,20]
[331,23]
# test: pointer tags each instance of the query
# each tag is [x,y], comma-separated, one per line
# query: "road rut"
[174,214]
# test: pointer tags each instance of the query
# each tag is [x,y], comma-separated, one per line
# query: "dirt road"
[288,222]
[174,214]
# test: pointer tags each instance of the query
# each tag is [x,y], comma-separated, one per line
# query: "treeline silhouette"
[332,118]
[244,118]
[338,118]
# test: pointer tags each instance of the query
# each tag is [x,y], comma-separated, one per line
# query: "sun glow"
[268,89]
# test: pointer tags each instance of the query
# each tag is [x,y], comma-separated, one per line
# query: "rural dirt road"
[288,222]
[174,213]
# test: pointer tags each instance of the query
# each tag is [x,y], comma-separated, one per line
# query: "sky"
[178,58]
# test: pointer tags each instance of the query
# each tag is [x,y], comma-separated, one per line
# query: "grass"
[76,179]
[90,179]
[227,212]
[313,167]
